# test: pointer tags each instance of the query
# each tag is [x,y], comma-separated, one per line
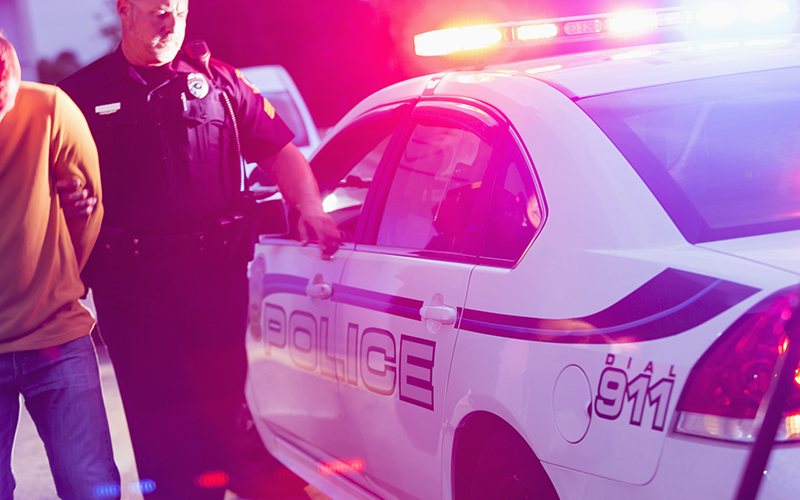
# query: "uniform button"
[108,124]
[158,124]
[108,246]
[202,237]
[136,241]
[136,253]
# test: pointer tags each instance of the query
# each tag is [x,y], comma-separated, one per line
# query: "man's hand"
[296,181]
[325,228]
[75,202]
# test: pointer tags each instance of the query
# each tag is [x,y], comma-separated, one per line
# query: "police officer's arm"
[77,172]
[299,188]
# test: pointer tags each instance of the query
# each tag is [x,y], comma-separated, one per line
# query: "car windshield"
[287,110]
[722,155]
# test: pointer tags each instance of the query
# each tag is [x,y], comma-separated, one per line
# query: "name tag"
[107,109]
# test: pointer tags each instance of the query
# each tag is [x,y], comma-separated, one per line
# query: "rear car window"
[722,155]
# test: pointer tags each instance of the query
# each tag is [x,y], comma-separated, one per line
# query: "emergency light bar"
[581,28]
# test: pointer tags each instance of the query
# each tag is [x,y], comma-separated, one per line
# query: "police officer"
[168,276]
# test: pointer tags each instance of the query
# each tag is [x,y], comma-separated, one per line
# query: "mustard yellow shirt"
[43,139]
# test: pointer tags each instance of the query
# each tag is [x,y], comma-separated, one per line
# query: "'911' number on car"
[615,390]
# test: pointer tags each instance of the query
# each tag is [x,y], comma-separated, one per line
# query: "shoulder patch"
[269,109]
[246,81]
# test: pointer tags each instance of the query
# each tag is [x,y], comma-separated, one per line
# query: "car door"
[293,379]
[401,293]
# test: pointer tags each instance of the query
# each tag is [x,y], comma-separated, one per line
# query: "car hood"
[780,250]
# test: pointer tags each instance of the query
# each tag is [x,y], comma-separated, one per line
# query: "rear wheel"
[507,469]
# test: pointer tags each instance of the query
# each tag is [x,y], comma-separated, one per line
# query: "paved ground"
[34,481]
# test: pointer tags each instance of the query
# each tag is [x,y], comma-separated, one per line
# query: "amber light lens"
[730,381]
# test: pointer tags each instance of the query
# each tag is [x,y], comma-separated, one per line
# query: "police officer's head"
[152,30]
[9,76]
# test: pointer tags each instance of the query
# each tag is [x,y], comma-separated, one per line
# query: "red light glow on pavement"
[341,467]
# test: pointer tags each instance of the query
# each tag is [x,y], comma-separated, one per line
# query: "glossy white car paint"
[604,235]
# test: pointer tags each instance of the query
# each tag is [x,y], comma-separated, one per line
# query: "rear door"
[402,290]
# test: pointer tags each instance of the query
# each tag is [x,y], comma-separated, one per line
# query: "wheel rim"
[510,487]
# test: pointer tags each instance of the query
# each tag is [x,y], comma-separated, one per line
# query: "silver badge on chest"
[198,85]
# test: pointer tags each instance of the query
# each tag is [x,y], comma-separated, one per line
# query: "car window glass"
[352,189]
[434,189]
[721,154]
[347,166]
[514,208]
[287,110]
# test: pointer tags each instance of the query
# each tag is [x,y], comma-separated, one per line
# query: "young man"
[169,278]
[46,353]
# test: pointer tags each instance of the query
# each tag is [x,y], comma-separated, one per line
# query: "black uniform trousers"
[174,328]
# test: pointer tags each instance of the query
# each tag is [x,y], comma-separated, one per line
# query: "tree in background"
[54,70]
[111,30]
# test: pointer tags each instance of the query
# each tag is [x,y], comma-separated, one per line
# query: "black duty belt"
[227,238]
[121,244]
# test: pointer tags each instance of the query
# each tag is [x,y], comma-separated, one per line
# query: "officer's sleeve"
[74,156]
[262,131]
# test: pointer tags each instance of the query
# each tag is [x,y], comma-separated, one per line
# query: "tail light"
[726,388]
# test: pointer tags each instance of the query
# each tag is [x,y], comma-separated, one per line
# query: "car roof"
[618,69]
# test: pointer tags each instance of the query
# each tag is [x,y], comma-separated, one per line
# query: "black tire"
[507,469]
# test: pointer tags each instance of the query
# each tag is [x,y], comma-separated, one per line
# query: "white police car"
[565,278]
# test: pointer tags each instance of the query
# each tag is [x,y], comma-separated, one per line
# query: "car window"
[515,212]
[287,110]
[434,189]
[352,189]
[722,154]
[346,166]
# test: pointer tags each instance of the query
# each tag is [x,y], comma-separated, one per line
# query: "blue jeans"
[61,387]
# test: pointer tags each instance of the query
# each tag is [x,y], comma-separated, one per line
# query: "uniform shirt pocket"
[113,125]
[194,128]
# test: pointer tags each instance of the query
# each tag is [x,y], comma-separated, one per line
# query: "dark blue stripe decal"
[284,283]
[670,303]
[381,302]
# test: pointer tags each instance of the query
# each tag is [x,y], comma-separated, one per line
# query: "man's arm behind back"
[74,158]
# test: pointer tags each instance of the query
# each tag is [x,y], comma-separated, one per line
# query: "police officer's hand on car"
[323,225]
[296,181]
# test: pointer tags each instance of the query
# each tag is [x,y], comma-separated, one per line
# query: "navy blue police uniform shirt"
[168,155]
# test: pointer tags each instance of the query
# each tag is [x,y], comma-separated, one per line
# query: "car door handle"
[444,314]
[319,290]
